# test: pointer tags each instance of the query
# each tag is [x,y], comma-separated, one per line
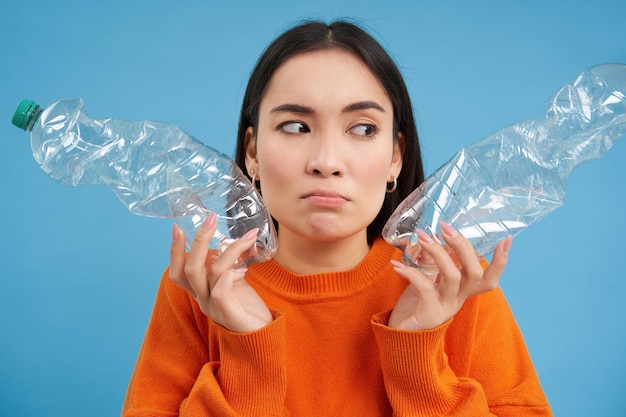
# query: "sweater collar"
[284,283]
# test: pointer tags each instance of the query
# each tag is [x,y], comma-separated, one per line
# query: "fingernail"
[175,233]
[397,264]
[449,230]
[251,234]
[209,222]
[423,236]
[241,270]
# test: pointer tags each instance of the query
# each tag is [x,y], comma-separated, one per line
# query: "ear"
[396,158]
[250,143]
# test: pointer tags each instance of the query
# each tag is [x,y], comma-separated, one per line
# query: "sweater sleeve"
[475,364]
[190,366]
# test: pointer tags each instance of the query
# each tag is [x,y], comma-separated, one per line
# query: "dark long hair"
[315,36]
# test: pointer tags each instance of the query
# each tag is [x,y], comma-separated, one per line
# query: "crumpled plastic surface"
[156,170]
[513,178]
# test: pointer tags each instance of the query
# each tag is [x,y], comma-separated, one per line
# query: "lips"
[325,199]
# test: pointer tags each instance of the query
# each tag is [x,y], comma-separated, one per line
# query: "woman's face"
[324,148]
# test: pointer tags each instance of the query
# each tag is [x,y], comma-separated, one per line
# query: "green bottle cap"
[24,116]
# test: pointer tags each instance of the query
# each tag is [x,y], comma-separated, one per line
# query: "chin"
[323,233]
[323,227]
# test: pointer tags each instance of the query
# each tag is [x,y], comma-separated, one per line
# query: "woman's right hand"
[222,292]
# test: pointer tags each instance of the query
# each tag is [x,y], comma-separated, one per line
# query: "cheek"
[276,171]
[374,175]
[370,173]
[373,183]
[374,167]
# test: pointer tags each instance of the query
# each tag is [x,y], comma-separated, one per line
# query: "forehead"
[324,77]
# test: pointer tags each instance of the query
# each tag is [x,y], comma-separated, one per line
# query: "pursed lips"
[325,199]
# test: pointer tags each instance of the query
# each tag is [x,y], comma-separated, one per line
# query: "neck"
[304,256]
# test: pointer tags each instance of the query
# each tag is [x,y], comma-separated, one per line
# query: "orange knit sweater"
[329,353]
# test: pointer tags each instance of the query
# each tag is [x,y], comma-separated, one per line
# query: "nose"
[326,156]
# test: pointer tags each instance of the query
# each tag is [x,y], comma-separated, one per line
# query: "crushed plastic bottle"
[154,168]
[513,178]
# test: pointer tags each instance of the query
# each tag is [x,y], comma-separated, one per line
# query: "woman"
[334,324]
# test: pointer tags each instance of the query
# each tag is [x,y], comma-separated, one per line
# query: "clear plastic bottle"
[154,168]
[514,177]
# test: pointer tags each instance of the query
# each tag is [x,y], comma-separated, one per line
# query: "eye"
[294,127]
[364,130]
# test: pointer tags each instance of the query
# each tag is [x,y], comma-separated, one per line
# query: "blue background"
[78,272]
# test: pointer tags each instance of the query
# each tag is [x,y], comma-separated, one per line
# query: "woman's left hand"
[428,302]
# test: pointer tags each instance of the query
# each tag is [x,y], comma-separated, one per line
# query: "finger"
[194,267]
[499,261]
[177,260]
[221,291]
[233,252]
[422,282]
[449,273]
[463,251]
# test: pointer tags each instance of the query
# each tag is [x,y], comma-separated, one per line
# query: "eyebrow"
[292,108]
[297,108]
[363,105]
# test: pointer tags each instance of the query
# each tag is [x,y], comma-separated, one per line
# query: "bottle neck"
[32,118]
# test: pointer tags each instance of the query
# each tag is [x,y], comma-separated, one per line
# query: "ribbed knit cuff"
[415,368]
[252,372]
